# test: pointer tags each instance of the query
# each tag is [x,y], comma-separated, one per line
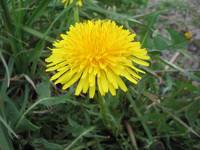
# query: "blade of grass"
[81,147]
[190,129]
[38,11]
[8,127]
[96,8]
[6,68]
[37,34]
[29,81]
[44,36]
[30,108]
[172,65]
[4,87]
[5,143]
[185,73]
[153,17]
[47,101]
[159,105]
[41,43]
[57,18]
[25,100]
[6,15]
[8,23]
[79,137]
[147,130]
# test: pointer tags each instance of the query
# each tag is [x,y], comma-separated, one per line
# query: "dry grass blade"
[131,134]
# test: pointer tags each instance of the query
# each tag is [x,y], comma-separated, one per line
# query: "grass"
[161,112]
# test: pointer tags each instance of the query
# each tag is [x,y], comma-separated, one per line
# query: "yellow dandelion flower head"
[188,35]
[78,2]
[96,55]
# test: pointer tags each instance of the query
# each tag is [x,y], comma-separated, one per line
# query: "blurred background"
[161,113]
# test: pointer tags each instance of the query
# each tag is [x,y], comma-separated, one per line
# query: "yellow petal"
[86,84]
[100,87]
[72,80]
[121,84]
[111,78]
[112,90]
[92,77]
[57,66]
[66,76]
[140,62]
[133,73]
[128,76]
[80,86]
[104,81]
[136,69]
[91,91]
[58,74]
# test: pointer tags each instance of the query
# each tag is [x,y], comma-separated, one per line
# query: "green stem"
[103,109]
[76,14]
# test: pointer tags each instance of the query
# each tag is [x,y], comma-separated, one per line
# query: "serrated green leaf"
[178,39]
[43,89]
[160,43]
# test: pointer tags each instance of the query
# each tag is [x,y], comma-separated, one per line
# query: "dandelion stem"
[103,109]
[76,14]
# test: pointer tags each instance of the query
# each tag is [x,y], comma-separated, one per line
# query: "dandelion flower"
[97,55]
[188,35]
[78,3]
